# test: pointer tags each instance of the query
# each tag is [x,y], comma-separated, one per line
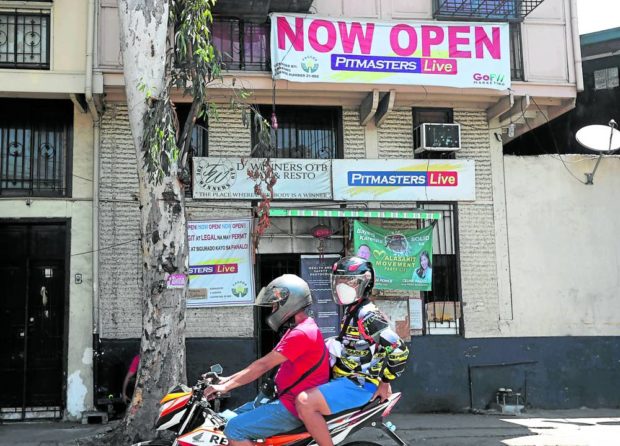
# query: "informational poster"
[221,270]
[416,318]
[402,259]
[316,271]
[404,180]
[326,49]
[227,178]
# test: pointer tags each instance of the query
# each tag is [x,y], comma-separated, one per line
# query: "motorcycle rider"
[372,354]
[300,353]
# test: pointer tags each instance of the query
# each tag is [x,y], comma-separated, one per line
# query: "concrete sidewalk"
[584,427]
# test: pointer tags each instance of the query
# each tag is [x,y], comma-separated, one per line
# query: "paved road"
[549,428]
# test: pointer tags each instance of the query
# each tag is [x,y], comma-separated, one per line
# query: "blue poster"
[316,271]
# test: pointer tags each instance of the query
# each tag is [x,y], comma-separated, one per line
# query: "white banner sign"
[463,54]
[404,180]
[227,178]
[220,271]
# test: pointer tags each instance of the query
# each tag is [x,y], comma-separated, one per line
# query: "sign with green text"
[402,259]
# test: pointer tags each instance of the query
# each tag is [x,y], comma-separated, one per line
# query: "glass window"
[607,78]
[242,45]
[24,40]
[35,146]
[303,132]
[442,304]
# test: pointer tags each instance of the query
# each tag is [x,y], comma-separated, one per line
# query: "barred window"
[25,40]
[35,147]
[242,45]
[303,132]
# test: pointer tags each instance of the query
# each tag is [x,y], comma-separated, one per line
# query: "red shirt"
[303,346]
[135,362]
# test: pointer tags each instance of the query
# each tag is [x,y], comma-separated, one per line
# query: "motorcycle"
[195,422]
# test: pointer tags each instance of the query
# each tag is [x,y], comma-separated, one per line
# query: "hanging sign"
[220,271]
[227,178]
[404,180]
[316,270]
[463,54]
[402,259]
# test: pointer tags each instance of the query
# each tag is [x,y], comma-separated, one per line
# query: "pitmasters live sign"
[466,55]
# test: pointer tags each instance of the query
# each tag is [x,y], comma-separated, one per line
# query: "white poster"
[227,178]
[221,270]
[404,180]
[450,54]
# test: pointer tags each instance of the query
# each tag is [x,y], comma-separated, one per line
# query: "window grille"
[442,305]
[303,132]
[242,45]
[510,10]
[516,53]
[35,147]
[25,40]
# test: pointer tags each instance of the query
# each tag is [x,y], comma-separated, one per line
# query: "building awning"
[418,214]
[497,10]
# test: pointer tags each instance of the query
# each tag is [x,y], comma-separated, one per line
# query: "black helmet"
[290,293]
[352,279]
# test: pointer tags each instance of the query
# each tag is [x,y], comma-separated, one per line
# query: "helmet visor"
[271,295]
[347,289]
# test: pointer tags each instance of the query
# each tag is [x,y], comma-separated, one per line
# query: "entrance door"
[270,267]
[32,311]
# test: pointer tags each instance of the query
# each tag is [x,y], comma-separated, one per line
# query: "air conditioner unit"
[437,137]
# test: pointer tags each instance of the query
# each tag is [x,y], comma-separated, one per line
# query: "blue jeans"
[255,421]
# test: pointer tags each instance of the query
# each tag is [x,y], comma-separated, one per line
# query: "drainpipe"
[576,46]
[88,92]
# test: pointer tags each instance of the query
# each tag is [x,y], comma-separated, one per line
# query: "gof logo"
[492,78]
[215,175]
[239,289]
[309,64]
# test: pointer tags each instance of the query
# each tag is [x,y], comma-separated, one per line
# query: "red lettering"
[428,40]
[454,40]
[331,35]
[394,40]
[492,45]
[295,37]
[356,33]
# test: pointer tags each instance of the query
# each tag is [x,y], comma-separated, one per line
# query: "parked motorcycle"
[186,412]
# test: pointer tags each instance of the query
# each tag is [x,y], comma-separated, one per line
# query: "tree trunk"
[144,26]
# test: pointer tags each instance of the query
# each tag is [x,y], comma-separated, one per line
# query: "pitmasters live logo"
[402,178]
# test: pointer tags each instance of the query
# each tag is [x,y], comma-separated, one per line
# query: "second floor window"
[35,147]
[242,45]
[303,132]
[24,40]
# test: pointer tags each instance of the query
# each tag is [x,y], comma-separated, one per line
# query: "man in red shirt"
[302,358]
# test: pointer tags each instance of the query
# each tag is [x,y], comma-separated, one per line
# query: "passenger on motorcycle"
[372,354]
[300,350]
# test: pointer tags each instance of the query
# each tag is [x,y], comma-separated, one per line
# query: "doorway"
[270,267]
[32,317]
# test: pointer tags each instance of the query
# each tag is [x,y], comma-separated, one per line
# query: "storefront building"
[466,334]
[47,135]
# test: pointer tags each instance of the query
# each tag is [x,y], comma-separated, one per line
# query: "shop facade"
[467,335]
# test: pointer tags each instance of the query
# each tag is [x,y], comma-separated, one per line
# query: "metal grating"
[493,10]
[25,40]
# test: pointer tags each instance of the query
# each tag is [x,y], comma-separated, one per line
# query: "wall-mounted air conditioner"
[437,137]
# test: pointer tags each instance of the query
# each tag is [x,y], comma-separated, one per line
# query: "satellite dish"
[600,138]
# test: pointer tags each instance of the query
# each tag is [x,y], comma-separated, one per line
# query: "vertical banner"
[402,259]
[316,271]
[220,271]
